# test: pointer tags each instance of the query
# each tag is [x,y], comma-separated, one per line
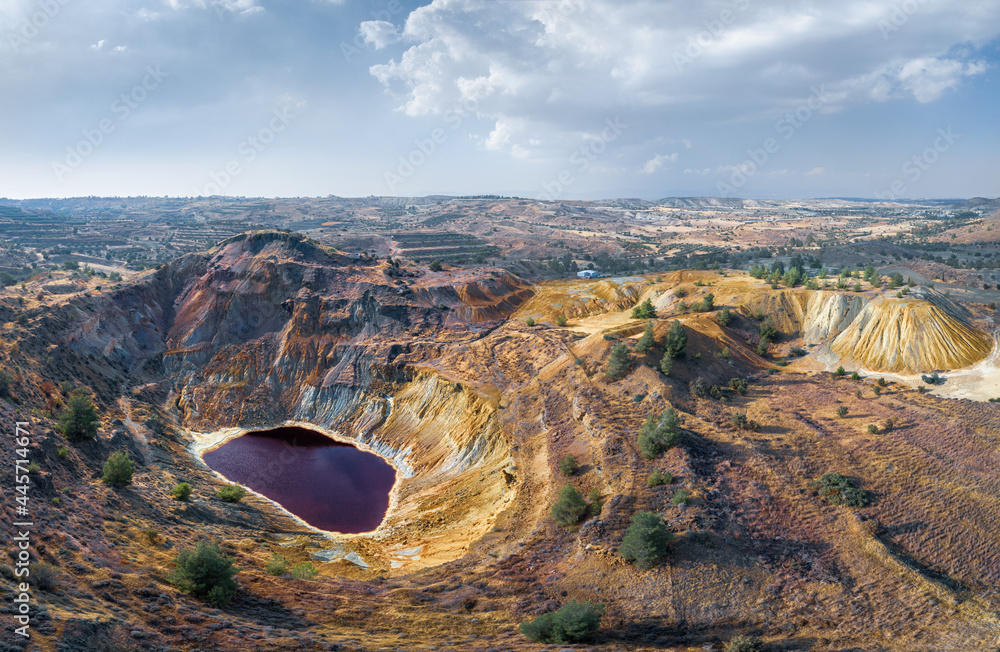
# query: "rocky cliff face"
[270,328]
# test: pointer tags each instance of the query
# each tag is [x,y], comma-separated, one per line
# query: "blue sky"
[555,99]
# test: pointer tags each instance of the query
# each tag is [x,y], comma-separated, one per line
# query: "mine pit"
[330,485]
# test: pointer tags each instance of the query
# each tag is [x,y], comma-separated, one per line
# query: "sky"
[552,99]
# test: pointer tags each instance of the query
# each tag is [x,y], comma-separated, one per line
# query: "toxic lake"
[329,485]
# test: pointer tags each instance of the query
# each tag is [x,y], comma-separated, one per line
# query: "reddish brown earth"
[439,374]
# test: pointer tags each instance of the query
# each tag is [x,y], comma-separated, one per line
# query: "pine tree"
[647,340]
[644,310]
[657,435]
[79,419]
[646,541]
[619,363]
[676,340]
[569,507]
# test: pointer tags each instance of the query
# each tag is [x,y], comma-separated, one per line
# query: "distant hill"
[980,203]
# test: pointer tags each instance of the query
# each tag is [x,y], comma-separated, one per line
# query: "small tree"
[666,364]
[657,435]
[232,493]
[743,643]
[842,411]
[118,469]
[837,489]
[561,320]
[569,507]
[568,465]
[205,573]
[768,330]
[276,565]
[5,380]
[644,310]
[574,622]
[839,372]
[619,363]
[646,541]
[182,491]
[79,420]
[647,340]
[676,340]
[436,266]
[724,317]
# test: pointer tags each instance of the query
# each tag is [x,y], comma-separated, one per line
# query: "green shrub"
[646,541]
[118,469]
[658,477]
[680,498]
[666,364]
[55,501]
[872,429]
[435,266]
[5,381]
[676,340]
[62,452]
[182,491]
[724,317]
[933,379]
[768,330]
[34,468]
[644,310]
[855,375]
[529,322]
[619,363]
[739,385]
[680,293]
[724,353]
[743,643]
[761,349]
[657,435]
[276,565]
[561,320]
[569,507]
[79,420]
[574,622]
[205,573]
[232,493]
[638,397]
[647,340]
[596,504]
[877,390]
[839,490]
[842,411]
[839,372]
[568,466]
[304,571]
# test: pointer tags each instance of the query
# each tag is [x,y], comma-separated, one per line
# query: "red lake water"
[329,485]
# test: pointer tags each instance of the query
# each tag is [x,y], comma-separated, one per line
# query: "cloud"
[657,162]
[379,33]
[815,172]
[561,67]
[99,45]
[232,6]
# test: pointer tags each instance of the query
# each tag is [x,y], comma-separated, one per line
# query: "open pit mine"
[474,386]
